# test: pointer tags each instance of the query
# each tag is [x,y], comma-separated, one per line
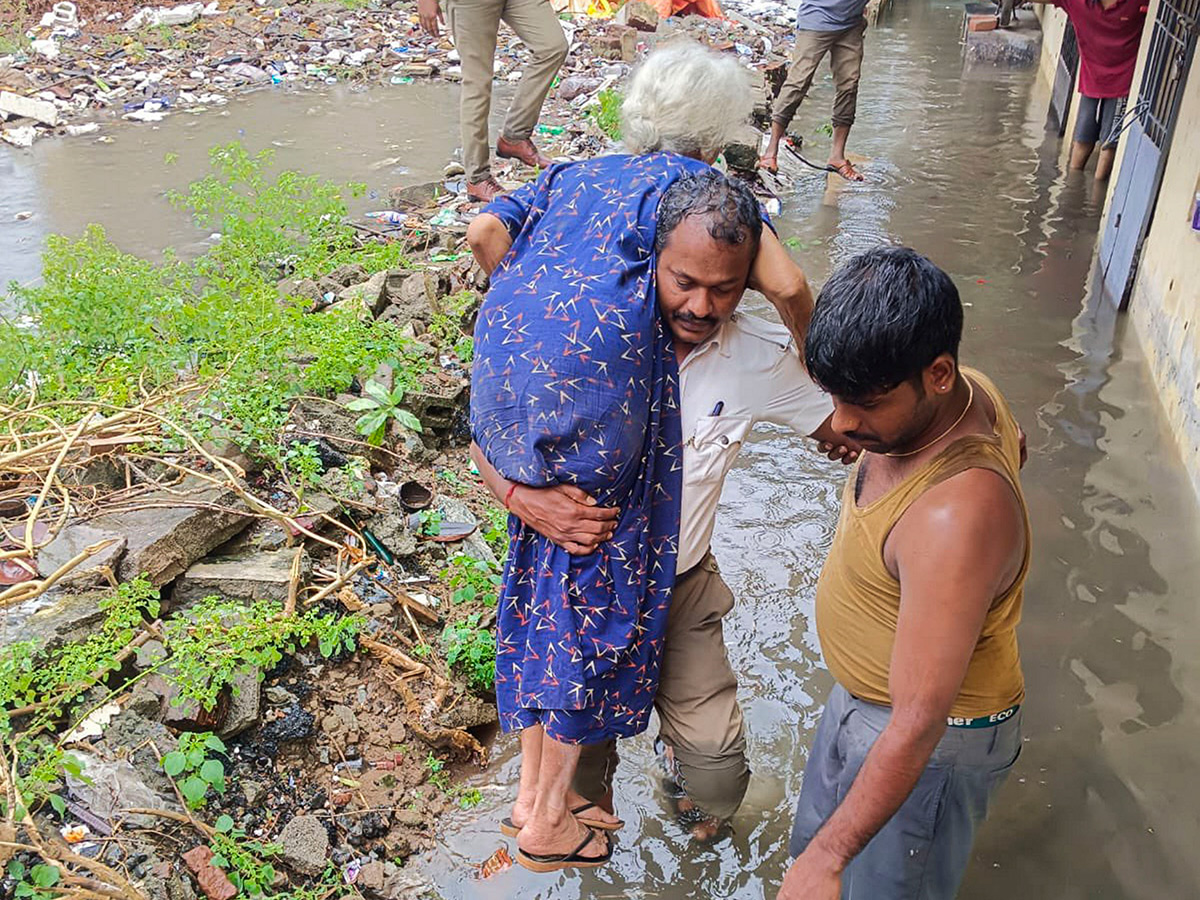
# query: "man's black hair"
[733,212]
[880,319]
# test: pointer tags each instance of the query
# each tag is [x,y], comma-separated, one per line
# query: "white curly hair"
[687,99]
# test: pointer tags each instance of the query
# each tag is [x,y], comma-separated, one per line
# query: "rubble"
[304,844]
[164,542]
[249,576]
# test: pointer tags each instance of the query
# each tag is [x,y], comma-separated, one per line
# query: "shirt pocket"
[715,444]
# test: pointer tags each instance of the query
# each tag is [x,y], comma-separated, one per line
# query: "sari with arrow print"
[575,382]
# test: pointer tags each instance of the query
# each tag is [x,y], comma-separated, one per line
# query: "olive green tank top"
[858,600]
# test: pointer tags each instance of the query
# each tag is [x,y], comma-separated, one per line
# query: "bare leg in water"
[837,154]
[533,742]
[550,827]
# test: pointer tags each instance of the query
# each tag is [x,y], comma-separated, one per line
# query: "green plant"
[303,467]
[471,579]
[243,861]
[221,639]
[826,129]
[379,407]
[607,112]
[430,521]
[198,769]
[468,798]
[495,531]
[37,882]
[455,483]
[438,776]
[471,649]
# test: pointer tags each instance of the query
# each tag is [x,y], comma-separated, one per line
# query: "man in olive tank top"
[919,597]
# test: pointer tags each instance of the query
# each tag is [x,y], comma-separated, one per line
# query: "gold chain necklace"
[954,424]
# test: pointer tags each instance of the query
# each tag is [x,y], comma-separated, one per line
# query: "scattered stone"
[213,882]
[369,294]
[163,543]
[72,541]
[455,510]
[56,619]
[304,844]
[638,14]
[255,792]
[279,696]
[245,705]
[256,576]
[28,108]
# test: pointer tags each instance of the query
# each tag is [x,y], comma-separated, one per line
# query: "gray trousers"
[475,24]
[923,850]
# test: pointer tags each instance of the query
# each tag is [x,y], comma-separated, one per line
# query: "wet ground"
[1101,803]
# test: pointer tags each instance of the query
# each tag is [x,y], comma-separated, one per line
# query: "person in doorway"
[836,28]
[1109,32]
[575,384]
[735,370]
[475,25]
[919,598]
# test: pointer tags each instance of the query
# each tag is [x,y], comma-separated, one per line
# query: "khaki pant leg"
[536,24]
[474,24]
[845,60]
[811,47]
[594,774]
[697,694]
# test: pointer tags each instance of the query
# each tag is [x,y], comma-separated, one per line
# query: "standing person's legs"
[1087,131]
[552,830]
[702,724]
[923,850]
[536,24]
[845,59]
[810,49]
[474,24]
[1112,111]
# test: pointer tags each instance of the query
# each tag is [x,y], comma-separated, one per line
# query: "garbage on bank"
[145,63]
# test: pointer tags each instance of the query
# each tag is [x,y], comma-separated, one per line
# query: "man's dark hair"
[880,319]
[730,205]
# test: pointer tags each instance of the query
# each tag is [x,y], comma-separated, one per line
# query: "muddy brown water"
[1102,802]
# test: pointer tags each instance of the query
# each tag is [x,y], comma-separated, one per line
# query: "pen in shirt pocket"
[717,409]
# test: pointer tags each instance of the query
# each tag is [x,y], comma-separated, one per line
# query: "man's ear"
[940,375]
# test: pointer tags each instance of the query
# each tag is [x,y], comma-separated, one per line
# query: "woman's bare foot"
[543,837]
[595,814]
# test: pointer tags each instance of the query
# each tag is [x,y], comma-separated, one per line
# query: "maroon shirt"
[1108,44]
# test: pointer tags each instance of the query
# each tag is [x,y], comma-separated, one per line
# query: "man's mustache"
[693,319]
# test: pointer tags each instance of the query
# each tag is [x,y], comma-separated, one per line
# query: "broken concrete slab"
[29,108]
[368,295]
[54,619]
[252,576]
[74,540]
[304,844]
[164,542]
[638,14]
[1018,46]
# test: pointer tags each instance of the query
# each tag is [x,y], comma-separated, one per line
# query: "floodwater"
[1102,802]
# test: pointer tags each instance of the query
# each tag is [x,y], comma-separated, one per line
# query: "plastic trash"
[444,218]
[550,129]
[402,79]
[387,217]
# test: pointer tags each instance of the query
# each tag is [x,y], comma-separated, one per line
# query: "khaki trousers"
[845,49]
[475,24]
[696,702]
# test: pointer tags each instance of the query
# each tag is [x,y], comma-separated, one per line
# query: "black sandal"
[553,862]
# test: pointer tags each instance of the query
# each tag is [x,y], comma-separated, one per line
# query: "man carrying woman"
[576,386]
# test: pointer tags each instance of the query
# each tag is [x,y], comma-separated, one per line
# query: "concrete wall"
[1165,304]
[1054,24]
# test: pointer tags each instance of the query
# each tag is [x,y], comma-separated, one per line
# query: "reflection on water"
[1099,805]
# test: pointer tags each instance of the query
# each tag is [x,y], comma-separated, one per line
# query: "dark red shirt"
[1108,44]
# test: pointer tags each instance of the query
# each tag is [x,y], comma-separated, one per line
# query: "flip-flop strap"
[565,857]
[583,807]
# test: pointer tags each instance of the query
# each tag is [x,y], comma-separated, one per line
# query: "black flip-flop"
[553,862]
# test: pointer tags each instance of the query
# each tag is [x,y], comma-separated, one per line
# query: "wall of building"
[1054,23]
[1165,303]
